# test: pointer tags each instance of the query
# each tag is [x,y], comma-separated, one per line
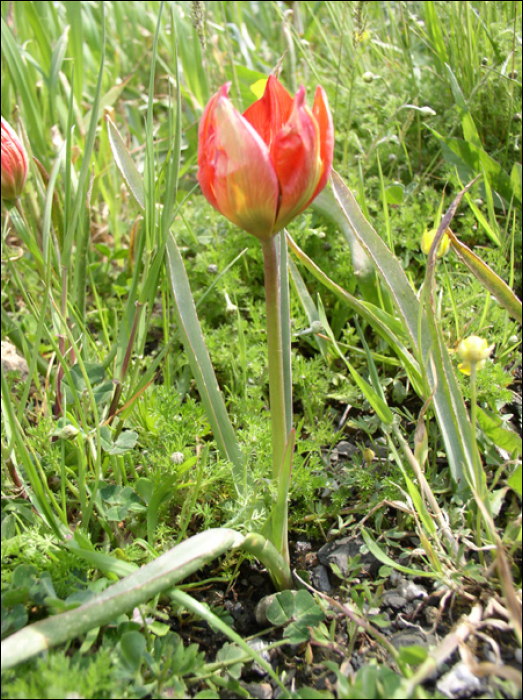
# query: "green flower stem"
[479,480]
[275,351]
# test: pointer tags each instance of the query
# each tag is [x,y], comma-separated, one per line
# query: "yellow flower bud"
[427,239]
[368,456]
[474,351]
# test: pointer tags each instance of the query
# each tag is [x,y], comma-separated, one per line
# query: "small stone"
[320,579]
[303,546]
[459,682]
[408,637]
[334,456]
[212,269]
[260,612]
[411,590]
[260,646]
[345,449]
[261,691]
[395,578]
[392,599]
[341,551]
[13,362]
[517,656]
[431,614]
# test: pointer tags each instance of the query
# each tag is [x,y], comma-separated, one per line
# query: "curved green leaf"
[200,362]
[488,278]
[140,586]
[125,163]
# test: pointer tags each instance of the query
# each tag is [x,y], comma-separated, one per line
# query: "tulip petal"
[240,173]
[14,163]
[323,117]
[268,114]
[206,147]
[296,156]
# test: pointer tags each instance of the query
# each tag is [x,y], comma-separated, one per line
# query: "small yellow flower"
[363,36]
[426,242]
[474,351]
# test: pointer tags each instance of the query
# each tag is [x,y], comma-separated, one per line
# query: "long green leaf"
[125,163]
[383,323]
[140,586]
[475,160]
[385,559]
[488,278]
[362,265]
[448,400]
[201,366]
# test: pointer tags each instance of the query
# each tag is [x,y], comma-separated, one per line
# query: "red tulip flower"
[262,168]
[14,163]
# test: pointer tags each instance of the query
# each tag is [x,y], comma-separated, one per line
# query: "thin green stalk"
[275,352]
[479,484]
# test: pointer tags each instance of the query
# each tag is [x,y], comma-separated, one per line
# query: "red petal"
[206,147]
[268,114]
[236,166]
[296,157]
[321,113]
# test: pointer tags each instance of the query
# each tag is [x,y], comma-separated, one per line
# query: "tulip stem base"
[275,353]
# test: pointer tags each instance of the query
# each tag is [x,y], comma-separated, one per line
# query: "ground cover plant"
[161,478]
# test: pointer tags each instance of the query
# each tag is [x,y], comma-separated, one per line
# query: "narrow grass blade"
[41,496]
[385,559]
[263,549]
[382,322]
[125,163]
[25,87]
[377,402]
[488,278]
[202,611]
[201,366]
[137,588]
[308,305]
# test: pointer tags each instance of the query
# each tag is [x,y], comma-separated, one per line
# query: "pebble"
[320,579]
[409,637]
[411,590]
[261,691]
[341,551]
[260,612]
[13,362]
[260,646]
[393,599]
[459,682]
[431,614]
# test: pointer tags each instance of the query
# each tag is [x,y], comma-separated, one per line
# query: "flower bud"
[427,239]
[262,168]
[474,351]
[14,163]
